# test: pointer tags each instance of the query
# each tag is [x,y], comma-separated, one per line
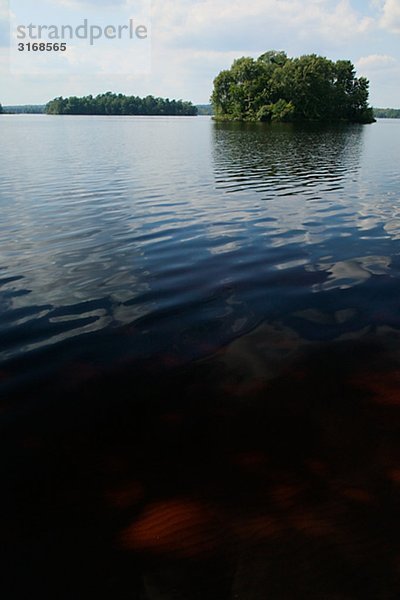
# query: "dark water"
[200,359]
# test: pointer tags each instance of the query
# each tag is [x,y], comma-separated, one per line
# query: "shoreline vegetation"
[277,88]
[202,110]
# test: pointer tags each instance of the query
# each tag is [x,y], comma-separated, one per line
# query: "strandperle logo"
[84,31]
[60,37]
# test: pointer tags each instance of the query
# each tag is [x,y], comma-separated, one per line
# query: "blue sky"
[192,40]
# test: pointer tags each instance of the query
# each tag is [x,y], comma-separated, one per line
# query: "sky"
[190,41]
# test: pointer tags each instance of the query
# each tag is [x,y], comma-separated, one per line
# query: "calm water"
[200,358]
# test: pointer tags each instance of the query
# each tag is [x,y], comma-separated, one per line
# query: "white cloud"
[85,3]
[192,40]
[376,61]
[228,24]
[391,15]
[383,73]
[4,11]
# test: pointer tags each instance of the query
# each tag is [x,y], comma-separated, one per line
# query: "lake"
[199,358]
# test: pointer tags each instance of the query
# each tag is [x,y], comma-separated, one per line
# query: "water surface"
[199,341]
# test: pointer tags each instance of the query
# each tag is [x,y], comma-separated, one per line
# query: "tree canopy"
[118,104]
[274,87]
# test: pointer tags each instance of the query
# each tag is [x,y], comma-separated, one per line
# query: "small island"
[274,87]
[118,104]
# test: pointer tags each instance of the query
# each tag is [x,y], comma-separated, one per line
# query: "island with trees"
[274,87]
[118,104]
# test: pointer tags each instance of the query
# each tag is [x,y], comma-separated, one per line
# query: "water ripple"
[145,222]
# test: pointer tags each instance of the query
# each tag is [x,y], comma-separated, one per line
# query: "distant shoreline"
[203,110]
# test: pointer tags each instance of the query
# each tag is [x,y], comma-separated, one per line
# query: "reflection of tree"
[287,157]
[301,170]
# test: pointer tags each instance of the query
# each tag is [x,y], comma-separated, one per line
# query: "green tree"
[275,87]
[274,57]
[280,111]
[221,98]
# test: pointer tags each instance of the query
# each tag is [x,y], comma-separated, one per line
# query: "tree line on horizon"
[32,109]
[387,113]
[118,104]
[274,87]
[203,109]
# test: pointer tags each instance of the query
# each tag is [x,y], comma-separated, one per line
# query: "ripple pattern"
[191,231]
